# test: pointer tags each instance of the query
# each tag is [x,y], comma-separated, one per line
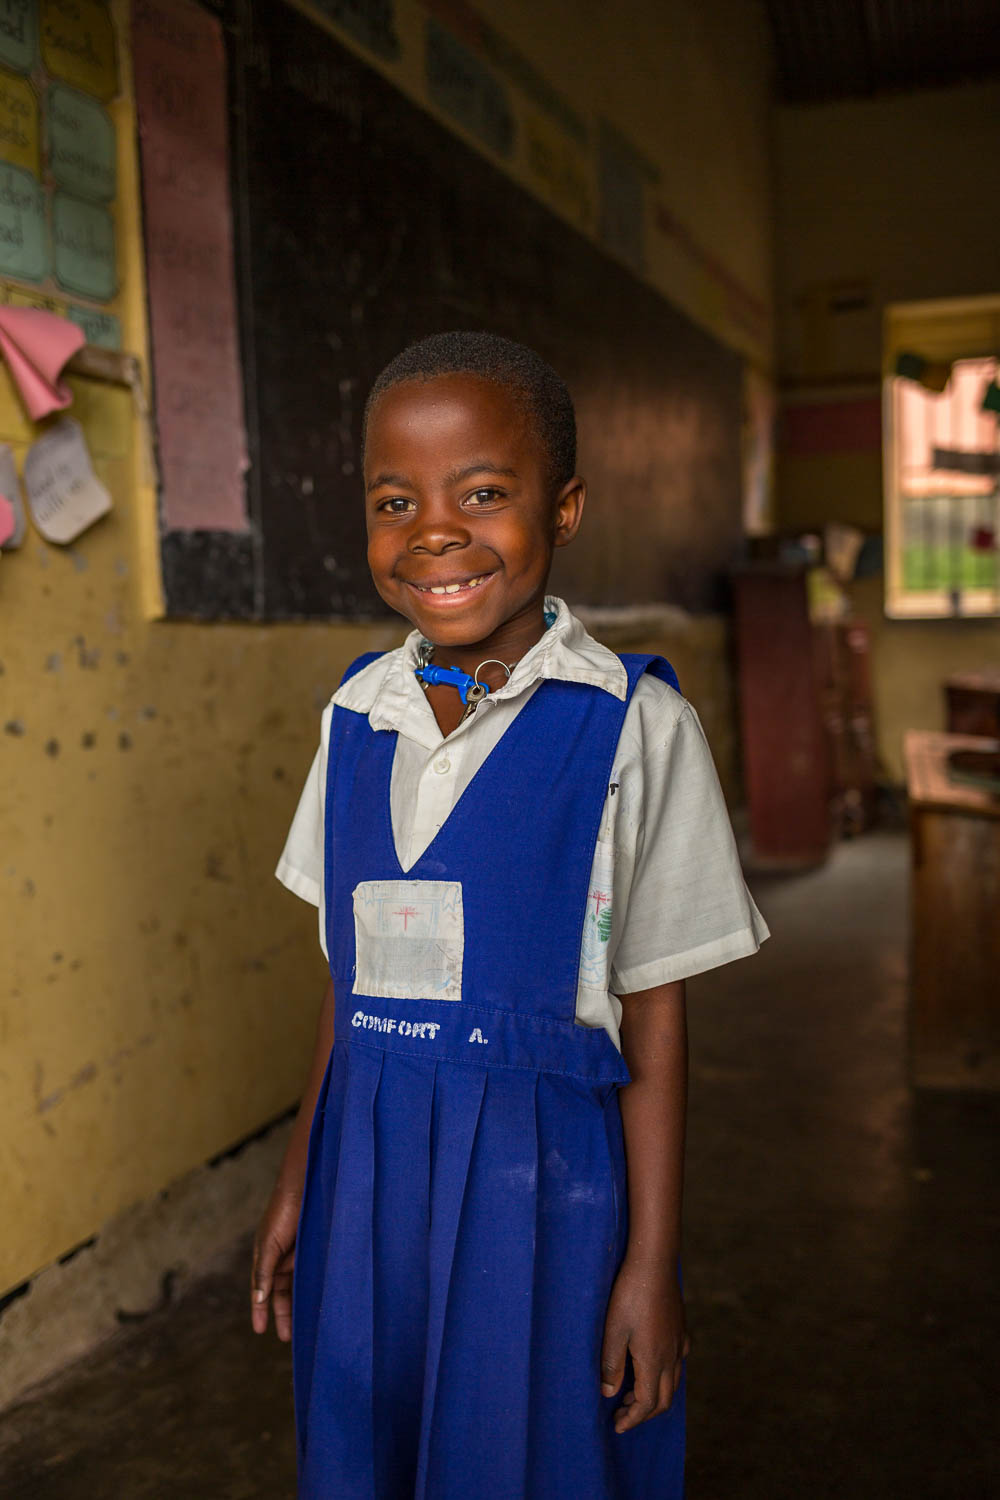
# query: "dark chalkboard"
[361,225]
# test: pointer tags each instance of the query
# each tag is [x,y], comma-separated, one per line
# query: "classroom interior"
[758,238]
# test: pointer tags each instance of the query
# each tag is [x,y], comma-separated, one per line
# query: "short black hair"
[518,369]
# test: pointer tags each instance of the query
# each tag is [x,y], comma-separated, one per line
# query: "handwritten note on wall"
[81,145]
[180,82]
[78,44]
[23,249]
[64,493]
[84,239]
[18,34]
[19,128]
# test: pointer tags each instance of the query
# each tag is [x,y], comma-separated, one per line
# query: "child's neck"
[512,640]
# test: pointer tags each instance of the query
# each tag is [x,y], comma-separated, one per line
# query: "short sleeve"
[687,908]
[300,867]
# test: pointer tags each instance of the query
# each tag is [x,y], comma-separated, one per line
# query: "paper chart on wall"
[65,496]
[58,155]
[10,492]
[180,80]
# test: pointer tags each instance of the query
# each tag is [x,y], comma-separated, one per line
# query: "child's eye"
[485,496]
[395,505]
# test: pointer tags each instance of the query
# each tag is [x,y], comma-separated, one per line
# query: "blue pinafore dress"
[465,1209]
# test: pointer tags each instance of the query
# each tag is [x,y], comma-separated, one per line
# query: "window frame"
[941,331]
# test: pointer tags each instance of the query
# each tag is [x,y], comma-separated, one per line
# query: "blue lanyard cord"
[430,676]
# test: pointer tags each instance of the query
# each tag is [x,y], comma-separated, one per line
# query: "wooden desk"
[955,919]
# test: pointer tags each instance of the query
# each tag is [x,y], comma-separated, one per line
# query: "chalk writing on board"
[65,496]
[180,78]
[18,122]
[22,225]
[78,45]
[84,243]
[462,85]
[81,144]
[18,34]
[370,22]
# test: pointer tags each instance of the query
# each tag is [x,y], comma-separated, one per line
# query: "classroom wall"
[878,201]
[159,988]
[688,87]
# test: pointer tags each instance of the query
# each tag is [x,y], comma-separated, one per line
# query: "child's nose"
[437,532]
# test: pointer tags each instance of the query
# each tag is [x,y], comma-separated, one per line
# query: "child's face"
[457,498]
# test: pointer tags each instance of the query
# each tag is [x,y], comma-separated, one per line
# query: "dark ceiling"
[838,49]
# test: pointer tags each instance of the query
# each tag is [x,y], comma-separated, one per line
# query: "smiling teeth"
[454,588]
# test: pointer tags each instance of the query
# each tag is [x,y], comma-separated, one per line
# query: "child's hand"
[273,1259]
[645,1318]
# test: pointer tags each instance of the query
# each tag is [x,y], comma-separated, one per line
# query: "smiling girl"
[519,851]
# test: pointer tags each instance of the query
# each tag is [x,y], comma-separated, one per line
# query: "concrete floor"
[841,1261]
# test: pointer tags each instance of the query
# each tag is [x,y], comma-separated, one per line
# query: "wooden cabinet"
[806,718]
[955,919]
[972,700]
[844,679]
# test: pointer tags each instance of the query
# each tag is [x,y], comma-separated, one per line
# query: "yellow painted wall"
[911,659]
[894,198]
[158,989]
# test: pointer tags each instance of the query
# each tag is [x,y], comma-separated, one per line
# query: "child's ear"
[568,511]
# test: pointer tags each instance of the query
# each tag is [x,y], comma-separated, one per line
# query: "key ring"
[491,661]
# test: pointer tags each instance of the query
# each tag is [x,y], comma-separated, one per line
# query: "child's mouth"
[456,589]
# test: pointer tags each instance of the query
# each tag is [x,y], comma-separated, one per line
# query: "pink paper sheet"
[36,346]
[180,83]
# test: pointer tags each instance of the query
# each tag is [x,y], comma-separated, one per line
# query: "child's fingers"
[260,1291]
[281,1305]
[613,1361]
[267,1252]
[652,1396]
[639,1403]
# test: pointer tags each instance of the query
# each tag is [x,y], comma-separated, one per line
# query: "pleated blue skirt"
[460,1233]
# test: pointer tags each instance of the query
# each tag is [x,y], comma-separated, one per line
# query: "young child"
[484,1221]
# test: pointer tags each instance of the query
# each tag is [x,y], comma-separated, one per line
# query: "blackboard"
[363,224]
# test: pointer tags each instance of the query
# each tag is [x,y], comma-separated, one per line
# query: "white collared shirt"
[665,867]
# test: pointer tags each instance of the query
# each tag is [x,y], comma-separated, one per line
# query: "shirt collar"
[388,692]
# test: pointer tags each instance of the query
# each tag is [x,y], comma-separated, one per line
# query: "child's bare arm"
[646,1314]
[274,1243]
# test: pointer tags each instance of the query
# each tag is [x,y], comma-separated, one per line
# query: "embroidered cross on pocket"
[409,938]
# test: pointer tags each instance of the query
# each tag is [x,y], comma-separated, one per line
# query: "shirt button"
[443,765]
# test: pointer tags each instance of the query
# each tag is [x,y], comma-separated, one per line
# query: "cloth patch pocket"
[409,938]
